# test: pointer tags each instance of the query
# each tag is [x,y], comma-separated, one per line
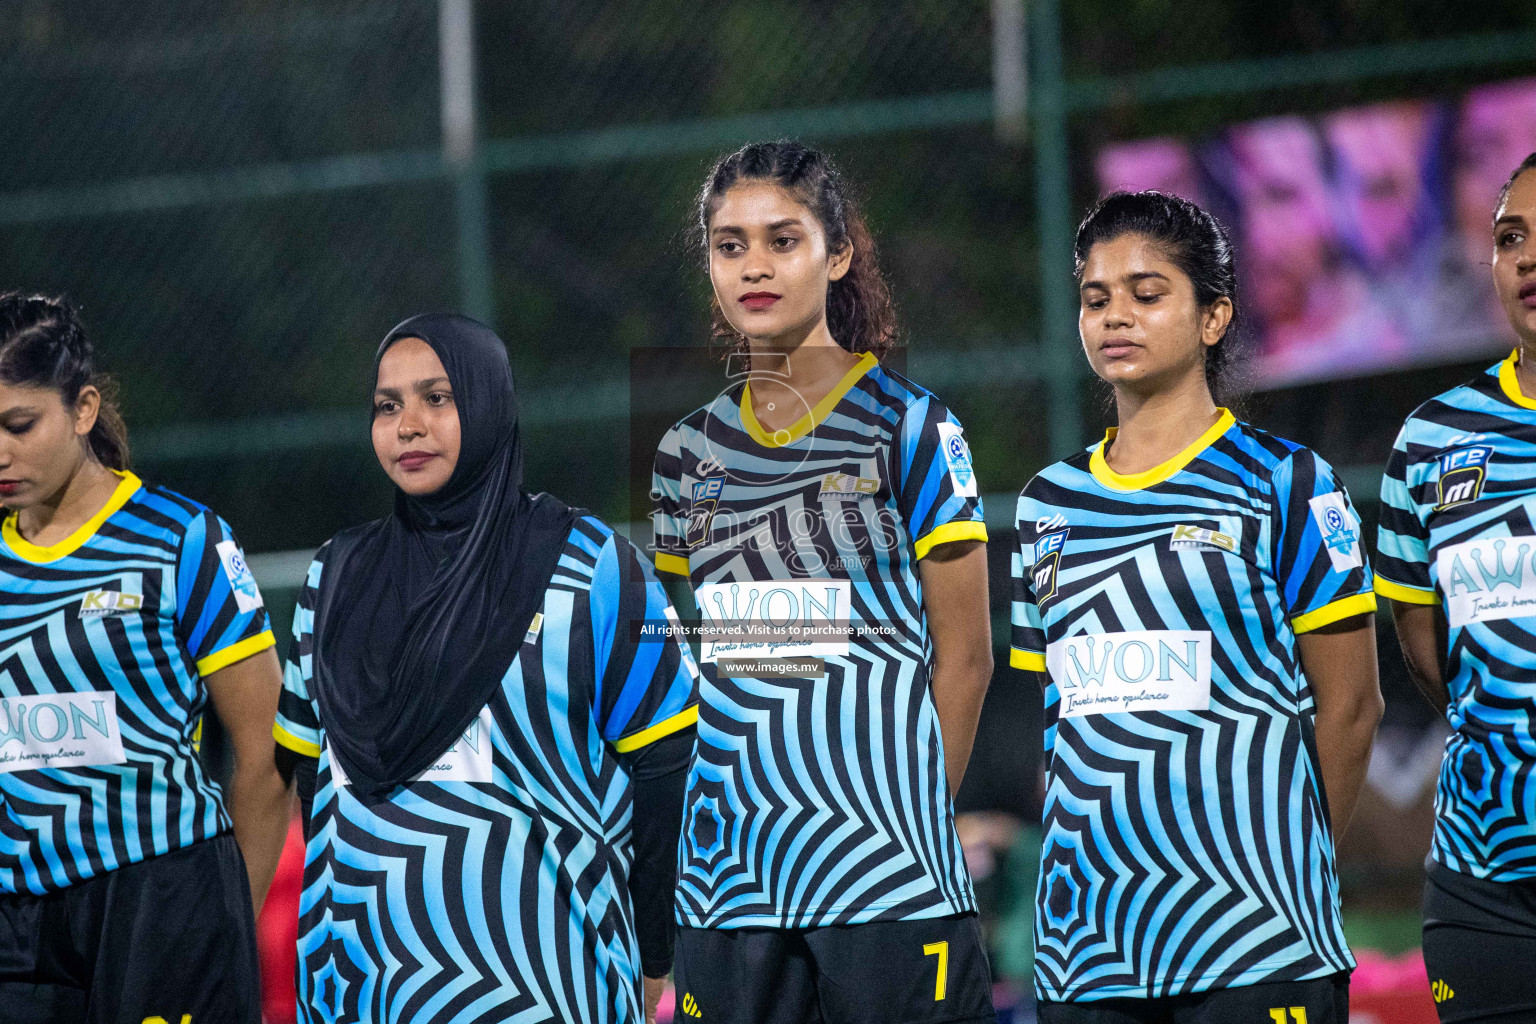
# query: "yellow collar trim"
[805,424]
[24,548]
[1157,474]
[1511,383]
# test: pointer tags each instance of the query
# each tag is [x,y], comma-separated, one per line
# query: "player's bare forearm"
[261,806]
[260,802]
[1340,663]
[955,598]
[1421,635]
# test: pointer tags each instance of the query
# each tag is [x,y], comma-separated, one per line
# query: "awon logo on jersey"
[1488,579]
[775,619]
[1144,670]
[701,508]
[59,730]
[1047,562]
[467,760]
[109,602]
[1462,473]
[247,596]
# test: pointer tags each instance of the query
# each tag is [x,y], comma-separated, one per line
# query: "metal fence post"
[1053,217]
[461,152]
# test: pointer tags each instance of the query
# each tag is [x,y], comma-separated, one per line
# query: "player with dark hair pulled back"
[821,876]
[1454,548]
[128,877]
[1193,597]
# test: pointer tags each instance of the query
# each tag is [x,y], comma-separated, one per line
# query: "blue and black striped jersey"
[1186,840]
[106,639]
[495,887]
[819,797]
[1458,527]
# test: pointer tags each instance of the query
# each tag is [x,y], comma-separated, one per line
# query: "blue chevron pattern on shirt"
[495,887]
[105,640]
[1186,839]
[819,801]
[1458,527]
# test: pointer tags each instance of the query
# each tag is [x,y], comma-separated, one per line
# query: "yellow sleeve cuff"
[677,565]
[968,529]
[297,744]
[1407,595]
[682,720]
[235,652]
[1029,661]
[1343,608]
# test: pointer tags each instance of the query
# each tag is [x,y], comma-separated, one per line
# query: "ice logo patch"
[1461,475]
[1047,564]
[957,454]
[1340,529]
[247,595]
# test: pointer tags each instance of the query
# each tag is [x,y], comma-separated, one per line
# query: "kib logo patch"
[1462,473]
[97,603]
[1047,563]
[840,485]
[247,595]
[1188,536]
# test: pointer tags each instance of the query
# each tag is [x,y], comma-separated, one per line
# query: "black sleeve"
[299,771]
[660,774]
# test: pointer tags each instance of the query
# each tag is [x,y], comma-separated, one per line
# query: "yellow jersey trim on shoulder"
[237,651]
[1099,466]
[948,533]
[682,720]
[805,424]
[675,564]
[1407,595]
[128,484]
[294,743]
[1509,381]
[1029,661]
[1343,608]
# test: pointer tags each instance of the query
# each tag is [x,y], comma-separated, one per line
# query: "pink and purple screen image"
[1363,235]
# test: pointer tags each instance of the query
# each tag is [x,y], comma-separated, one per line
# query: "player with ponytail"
[821,876]
[128,877]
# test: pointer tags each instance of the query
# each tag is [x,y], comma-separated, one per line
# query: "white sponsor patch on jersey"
[468,760]
[1488,579]
[957,454]
[247,596]
[1144,670]
[59,730]
[775,619]
[1341,530]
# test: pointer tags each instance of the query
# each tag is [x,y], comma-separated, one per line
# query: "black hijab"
[421,613]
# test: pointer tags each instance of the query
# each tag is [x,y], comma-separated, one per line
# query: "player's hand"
[654,987]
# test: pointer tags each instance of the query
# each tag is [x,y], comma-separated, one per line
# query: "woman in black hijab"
[490,727]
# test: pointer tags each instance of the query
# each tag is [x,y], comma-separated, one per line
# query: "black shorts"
[163,939]
[888,972]
[1321,1001]
[1480,947]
